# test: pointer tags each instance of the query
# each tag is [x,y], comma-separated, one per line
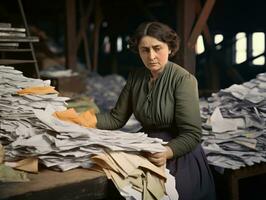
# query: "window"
[106,45]
[218,38]
[104,24]
[258,47]
[119,44]
[241,48]
[200,45]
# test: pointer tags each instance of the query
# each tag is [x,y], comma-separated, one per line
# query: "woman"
[164,99]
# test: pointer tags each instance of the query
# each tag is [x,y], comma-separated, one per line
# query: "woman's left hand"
[160,158]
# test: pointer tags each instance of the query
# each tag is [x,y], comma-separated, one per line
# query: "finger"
[154,160]
[156,155]
[145,154]
[157,161]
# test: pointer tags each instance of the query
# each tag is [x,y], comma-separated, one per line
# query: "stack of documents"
[234,128]
[81,142]
[137,178]
[28,128]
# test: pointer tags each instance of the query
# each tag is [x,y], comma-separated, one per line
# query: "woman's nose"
[151,54]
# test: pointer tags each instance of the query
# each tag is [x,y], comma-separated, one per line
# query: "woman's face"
[154,54]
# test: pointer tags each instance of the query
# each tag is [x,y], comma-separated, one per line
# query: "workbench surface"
[48,185]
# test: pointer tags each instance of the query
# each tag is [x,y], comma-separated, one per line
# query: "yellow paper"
[28,165]
[2,153]
[119,180]
[136,182]
[87,119]
[154,185]
[38,90]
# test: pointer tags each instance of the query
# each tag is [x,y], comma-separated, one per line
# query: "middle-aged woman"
[164,98]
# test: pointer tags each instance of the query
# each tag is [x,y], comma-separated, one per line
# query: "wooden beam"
[84,21]
[206,32]
[185,19]
[71,53]
[82,34]
[97,26]
[201,22]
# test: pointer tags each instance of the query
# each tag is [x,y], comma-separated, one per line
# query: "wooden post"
[70,39]
[201,22]
[82,33]
[185,18]
[213,65]
[97,26]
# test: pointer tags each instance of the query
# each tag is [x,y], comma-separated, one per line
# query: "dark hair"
[160,31]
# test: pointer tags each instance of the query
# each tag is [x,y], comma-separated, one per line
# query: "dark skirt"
[193,176]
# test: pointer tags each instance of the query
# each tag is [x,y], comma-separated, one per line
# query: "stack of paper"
[28,129]
[234,125]
[84,142]
[136,178]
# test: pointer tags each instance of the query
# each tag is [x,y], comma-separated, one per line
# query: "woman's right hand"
[160,158]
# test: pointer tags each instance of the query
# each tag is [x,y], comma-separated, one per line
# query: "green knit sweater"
[171,103]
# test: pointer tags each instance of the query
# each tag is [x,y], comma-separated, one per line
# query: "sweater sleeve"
[187,116]
[119,115]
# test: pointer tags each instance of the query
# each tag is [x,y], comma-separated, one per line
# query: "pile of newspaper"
[10,37]
[28,129]
[234,128]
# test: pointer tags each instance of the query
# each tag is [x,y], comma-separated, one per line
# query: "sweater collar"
[149,75]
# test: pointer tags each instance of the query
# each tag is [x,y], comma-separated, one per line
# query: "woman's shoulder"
[179,73]
[177,70]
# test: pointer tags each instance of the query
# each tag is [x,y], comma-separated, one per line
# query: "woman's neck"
[155,74]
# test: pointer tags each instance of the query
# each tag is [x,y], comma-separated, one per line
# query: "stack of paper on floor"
[234,128]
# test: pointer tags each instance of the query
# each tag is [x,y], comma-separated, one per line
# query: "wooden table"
[70,185]
[227,184]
